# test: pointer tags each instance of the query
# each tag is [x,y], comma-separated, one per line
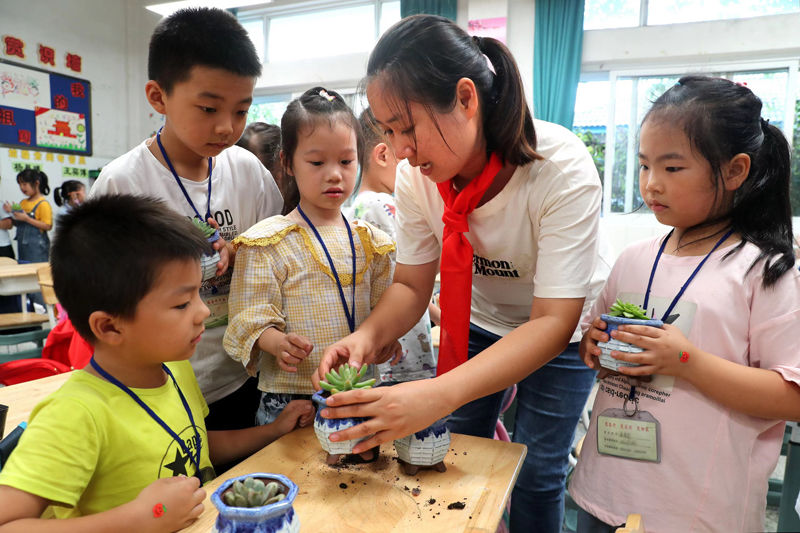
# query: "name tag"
[630,437]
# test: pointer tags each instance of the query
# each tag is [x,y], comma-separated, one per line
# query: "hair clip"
[741,83]
[329,97]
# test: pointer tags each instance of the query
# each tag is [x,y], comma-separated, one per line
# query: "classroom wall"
[114,55]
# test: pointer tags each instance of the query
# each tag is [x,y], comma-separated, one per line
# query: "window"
[614,144]
[678,11]
[321,33]
[606,14]
[307,30]
[255,29]
[268,109]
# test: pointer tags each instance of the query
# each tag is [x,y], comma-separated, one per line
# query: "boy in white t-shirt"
[204,87]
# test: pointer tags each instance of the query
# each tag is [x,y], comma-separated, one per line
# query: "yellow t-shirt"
[90,447]
[44,213]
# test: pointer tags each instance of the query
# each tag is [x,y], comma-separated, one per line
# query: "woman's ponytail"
[511,134]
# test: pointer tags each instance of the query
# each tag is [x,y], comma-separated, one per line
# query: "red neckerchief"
[455,295]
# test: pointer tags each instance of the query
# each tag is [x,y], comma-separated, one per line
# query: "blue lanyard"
[154,416]
[632,393]
[688,281]
[178,179]
[351,318]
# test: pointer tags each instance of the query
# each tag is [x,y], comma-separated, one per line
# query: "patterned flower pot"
[209,262]
[426,448]
[612,323]
[278,517]
[323,427]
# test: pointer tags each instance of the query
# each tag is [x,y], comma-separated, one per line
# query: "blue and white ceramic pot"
[209,262]
[324,427]
[278,517]
[612,323]
[424,448]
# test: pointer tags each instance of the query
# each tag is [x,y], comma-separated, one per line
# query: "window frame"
[790,65]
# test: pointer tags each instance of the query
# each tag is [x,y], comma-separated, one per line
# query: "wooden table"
[19,279]
[23,397]
[379,497]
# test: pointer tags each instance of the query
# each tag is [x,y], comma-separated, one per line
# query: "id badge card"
[630,437]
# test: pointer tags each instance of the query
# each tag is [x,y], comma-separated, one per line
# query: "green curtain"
[557,49]
[445,8]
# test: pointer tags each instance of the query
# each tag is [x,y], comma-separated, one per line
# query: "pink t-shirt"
[715,462]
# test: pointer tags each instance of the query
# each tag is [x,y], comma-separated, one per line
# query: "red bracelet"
[684,357]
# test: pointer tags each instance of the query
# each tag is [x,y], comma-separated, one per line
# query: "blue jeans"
[549,405]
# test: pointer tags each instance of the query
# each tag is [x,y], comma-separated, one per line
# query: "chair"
[633,524]
[500,431]
[45,278]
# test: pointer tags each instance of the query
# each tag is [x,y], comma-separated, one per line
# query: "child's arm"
[752,391]
[180,499]
[224,249]
[288,348]
[230,445]
[21,216]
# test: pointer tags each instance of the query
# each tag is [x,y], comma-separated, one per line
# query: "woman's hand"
[7,207]
[356,349]
[663,350]
[393,412]
[22,216]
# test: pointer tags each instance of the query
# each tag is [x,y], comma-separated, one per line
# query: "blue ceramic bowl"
[273,518]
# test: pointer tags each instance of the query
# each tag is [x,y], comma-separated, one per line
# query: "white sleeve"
[416,242]
[270,202]
[568,216]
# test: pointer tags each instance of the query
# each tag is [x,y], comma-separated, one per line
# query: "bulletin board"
[43,110]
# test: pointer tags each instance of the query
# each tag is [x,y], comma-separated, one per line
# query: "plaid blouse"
[281,279]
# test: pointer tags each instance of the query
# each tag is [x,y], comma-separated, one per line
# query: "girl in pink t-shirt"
[691,449]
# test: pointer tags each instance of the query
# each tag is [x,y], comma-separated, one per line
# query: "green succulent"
[346,378]
[207,229]
[627,310]
[253,492]
[16,207]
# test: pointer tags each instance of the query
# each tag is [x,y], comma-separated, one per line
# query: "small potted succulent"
[424,449]
[342,379]
[622,313]
[208,262]
[256,503]
[16,206]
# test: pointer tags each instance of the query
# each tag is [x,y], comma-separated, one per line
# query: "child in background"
[34,219]
[307,279]
[375,204]
[725,366]
[204,86]
[70,194]
[115,444]
[264,140]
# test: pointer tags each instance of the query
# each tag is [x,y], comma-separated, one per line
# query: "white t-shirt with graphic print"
[243,192]
[537,237]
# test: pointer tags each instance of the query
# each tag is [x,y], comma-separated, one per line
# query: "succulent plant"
[253,492]
[207,229]
[16,207]
[346,378]
[627,310]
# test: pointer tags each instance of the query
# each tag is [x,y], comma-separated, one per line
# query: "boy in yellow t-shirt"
[115,446]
